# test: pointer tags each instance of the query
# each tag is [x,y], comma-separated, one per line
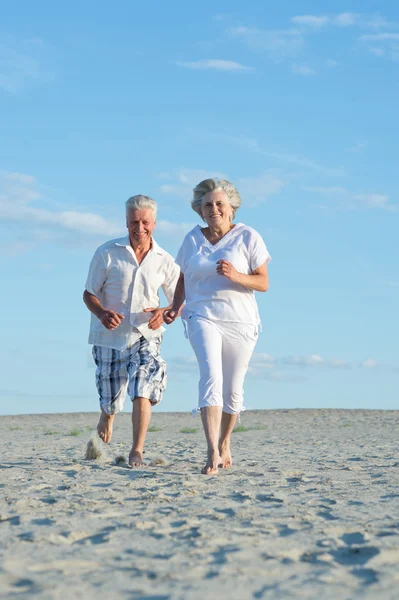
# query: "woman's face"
[216,209]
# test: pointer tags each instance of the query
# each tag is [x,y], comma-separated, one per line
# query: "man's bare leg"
[227,426]
[141,416]
[211,417]
[104,426]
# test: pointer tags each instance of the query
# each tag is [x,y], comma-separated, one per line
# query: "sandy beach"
[310,509]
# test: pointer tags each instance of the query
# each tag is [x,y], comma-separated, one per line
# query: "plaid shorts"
[139,370]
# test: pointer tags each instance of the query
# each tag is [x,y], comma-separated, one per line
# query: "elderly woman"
[221,265]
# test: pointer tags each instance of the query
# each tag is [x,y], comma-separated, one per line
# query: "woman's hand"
[157,317]
[170,315]
[225,268]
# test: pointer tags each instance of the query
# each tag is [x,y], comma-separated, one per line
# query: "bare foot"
[225,456]
[211,467]
[136,458]
[104,426]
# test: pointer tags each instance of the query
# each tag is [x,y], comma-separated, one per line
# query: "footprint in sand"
[354,555]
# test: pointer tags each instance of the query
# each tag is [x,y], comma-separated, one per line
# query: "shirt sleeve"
[97,274]
[183,255]
[258,253]
[172,275]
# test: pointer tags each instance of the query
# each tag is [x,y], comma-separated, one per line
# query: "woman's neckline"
[234,225]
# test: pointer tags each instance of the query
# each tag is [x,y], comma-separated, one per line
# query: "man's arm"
[109,318]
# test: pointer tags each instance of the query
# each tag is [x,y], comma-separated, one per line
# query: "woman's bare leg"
[227,426]
[211,419]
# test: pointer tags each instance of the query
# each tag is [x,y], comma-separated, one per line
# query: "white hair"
[213,185]
[139,202]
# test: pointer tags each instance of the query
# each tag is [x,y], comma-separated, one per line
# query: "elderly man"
[126,323]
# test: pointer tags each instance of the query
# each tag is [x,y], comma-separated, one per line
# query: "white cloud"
[331,63]
[260,359]
[184,180]
[314,360]
[18,188]
[186,362]
[173,229]
[352,200]
[267,367]
[377,51]
[18,193]
[83,222]
[260,188]
[276,376]
[303,361]
[377,22]
[219,65]
[240,141]
[356,147]
[326,190]
[380,37]
[384,44]
[311,20]
[18,178]
[307,163]
[289,43]
[20,63]
[372,200]
[346,19]
[303,70]
[261,367]
[254,189]
[277,44]
[369,363]
[14,248]
[248,144]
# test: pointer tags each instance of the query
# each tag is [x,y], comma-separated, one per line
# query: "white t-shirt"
[214,296]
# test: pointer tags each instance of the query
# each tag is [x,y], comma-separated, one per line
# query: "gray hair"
[213,185]
[139,202]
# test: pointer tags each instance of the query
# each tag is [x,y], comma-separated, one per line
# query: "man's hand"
[157,317]
[111,319]
[225,268]
[170,315]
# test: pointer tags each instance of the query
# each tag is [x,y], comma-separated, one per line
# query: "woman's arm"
[171,314]
[258,280]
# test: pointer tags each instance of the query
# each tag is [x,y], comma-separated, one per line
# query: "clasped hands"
[112,319]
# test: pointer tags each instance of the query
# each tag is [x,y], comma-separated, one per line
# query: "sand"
[310,509]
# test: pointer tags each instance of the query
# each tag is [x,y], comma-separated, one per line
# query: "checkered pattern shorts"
[139,370]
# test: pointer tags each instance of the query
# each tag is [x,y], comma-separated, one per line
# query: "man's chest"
[125,273]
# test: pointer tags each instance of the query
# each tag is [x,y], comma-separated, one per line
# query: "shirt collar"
[125,242]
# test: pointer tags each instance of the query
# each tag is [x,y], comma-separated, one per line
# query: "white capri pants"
[223,351]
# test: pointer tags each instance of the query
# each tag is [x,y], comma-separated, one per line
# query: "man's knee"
[142,400]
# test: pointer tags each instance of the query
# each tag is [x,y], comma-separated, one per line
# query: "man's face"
[141,224]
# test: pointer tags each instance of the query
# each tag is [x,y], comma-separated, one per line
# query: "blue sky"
[298,107]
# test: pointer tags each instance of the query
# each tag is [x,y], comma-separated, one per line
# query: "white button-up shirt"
[123,285]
